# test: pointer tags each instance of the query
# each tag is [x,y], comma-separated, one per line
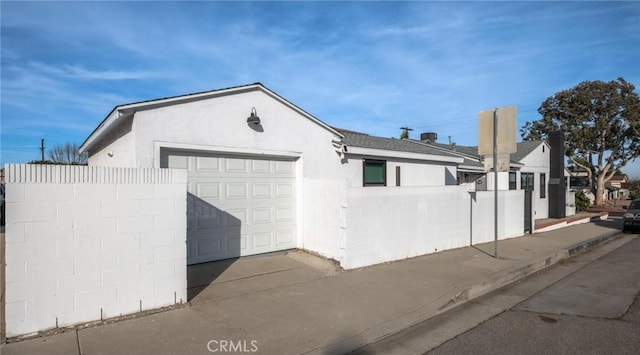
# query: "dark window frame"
[526,183]
[364,172]
[543,185]
[513,185]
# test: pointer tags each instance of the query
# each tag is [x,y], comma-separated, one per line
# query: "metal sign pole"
[498,139]
[495,183]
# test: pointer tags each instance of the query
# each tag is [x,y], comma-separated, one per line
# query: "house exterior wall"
[413,173]
[537,162]
[394,223]
[220,125]
[503,181]
[85,244]
[116,148]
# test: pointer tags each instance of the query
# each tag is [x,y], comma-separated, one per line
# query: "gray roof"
[524,149]
[470,151]
[469,162]
[363,140]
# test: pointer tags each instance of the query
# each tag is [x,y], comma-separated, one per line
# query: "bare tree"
[69,153]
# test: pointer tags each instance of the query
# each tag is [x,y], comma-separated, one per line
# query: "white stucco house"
[264,175]
[529,170]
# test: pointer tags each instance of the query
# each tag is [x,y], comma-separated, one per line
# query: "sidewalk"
[296,303]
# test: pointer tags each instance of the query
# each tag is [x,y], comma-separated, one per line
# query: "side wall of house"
[116,148]
[537,162]
[413,173]
[90,243]
[387,224]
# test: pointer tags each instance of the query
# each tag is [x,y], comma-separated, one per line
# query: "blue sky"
[365,66]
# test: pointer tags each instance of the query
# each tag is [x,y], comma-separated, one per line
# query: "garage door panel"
[284,167]
[284,190]
[262,240]
[261,190]
[236,190]
[236,245]
[284,237]
[261,215]
[234,165]
[208,247]
[208,164]
[208,190]
[178,161]
[237,206]
[237,216]
[284,214]
[261,166]
[208,218]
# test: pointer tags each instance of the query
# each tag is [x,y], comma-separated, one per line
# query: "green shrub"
[582,201]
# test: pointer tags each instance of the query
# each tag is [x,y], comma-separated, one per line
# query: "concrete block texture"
[86,243]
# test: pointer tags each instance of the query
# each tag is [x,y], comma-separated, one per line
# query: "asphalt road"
[589,304]
[595,310]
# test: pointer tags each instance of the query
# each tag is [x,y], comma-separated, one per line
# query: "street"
[589,304]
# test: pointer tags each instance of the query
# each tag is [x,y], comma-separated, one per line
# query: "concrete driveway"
[233,277]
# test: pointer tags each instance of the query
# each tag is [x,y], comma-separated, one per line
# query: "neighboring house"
[264,175]
[534,174]
[529,170]
[617,188]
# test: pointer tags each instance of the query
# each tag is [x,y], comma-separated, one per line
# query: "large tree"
[600,120]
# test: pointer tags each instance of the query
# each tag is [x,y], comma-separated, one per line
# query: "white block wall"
[90,243]
[391,223]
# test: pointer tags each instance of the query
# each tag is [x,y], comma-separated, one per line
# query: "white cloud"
[372,67]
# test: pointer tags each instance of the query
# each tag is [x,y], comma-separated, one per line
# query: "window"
[526,181]
[543,185]
[374,172]
[512,180]
[397,176]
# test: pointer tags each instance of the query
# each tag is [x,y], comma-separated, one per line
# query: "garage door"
[236,206]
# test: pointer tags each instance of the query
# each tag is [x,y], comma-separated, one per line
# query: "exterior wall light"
[253,119]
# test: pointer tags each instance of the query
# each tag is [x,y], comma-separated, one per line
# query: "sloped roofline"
[450,151]
[126,111]
[536,146]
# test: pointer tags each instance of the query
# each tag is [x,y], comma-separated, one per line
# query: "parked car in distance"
[631,218]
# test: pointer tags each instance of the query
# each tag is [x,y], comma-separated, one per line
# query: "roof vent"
[430,137]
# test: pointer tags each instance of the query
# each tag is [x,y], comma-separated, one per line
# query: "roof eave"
[128,110]
[354,150]
[110,121]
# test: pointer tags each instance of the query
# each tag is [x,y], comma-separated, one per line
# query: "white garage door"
[236,206]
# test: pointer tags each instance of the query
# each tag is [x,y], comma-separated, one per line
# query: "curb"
[460,295]
[571,222]
[576,248]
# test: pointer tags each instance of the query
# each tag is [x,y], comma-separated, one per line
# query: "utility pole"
[495,183]
[42,150]
[405,133]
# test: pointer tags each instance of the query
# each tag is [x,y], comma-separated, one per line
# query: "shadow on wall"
[212,234]
[449,178]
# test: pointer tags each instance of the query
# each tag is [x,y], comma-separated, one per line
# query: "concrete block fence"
[90,243]
[396,223]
